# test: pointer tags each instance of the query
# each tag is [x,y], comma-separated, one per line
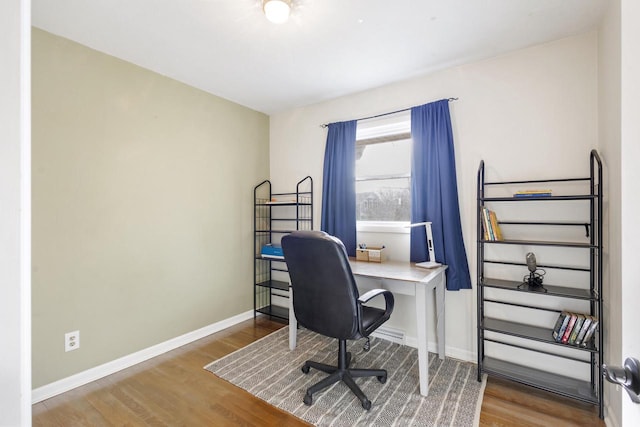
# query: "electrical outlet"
[72,341]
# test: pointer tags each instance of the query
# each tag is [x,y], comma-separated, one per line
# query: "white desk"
[405,279]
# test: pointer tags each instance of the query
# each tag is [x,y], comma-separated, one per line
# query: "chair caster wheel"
[382,379]
[366,404]
[308,400]
[305,369]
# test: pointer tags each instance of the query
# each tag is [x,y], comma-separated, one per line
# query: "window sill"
[399,227]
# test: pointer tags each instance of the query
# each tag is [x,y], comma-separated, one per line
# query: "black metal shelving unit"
[534,339]
[274,215]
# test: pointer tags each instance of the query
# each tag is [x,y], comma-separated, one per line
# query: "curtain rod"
[324,125]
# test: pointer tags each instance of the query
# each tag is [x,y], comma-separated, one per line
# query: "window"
[383,170]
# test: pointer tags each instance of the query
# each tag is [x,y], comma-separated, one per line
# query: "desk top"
[396,270]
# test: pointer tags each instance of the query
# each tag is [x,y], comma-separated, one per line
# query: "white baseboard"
[390,334]
[47,391]
[455,353]
[398,336]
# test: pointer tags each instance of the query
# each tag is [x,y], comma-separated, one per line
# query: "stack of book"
[490,225]
[533,193]
[272,251]
[575,328]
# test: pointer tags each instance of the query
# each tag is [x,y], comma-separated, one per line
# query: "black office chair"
[326,301]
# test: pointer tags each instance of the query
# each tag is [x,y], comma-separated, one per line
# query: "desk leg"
[440,292]
[424,301]
[293,322]
[423,327]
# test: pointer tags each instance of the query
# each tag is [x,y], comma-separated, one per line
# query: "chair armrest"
[371,294]
[388,299]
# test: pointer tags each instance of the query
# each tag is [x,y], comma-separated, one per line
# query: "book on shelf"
[494,225]
[490,225]
[576,329]
[584,329]
[485,223]
[567,332]
[276,257]
[272,251]
[590,333]
[566,317]
[558,325]
[532,193]
[275,201]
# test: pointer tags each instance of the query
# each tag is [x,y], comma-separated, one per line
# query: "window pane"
[383,159]
[382,182]
[383,200]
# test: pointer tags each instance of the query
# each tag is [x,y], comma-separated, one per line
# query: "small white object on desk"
[431,263]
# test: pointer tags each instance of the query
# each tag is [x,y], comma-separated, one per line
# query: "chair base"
[341,373]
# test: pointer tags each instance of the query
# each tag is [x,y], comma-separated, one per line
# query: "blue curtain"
[434,192]
[338,187]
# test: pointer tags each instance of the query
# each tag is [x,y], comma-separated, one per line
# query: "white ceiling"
[327,49]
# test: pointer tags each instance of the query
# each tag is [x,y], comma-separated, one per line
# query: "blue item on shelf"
[271,250]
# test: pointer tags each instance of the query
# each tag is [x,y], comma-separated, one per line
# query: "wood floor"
[174,390]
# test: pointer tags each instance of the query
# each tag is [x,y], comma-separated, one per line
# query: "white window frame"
[398,227]
[384,128]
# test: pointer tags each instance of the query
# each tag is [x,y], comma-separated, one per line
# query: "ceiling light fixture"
[277,11]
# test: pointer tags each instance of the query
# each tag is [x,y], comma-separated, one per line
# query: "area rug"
[270,371]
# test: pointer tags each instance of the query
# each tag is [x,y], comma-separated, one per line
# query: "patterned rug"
[268,370]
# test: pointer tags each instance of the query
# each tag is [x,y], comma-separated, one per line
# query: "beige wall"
[530,113]
[142,206]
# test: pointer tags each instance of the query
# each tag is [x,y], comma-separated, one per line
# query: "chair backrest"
[324,290]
